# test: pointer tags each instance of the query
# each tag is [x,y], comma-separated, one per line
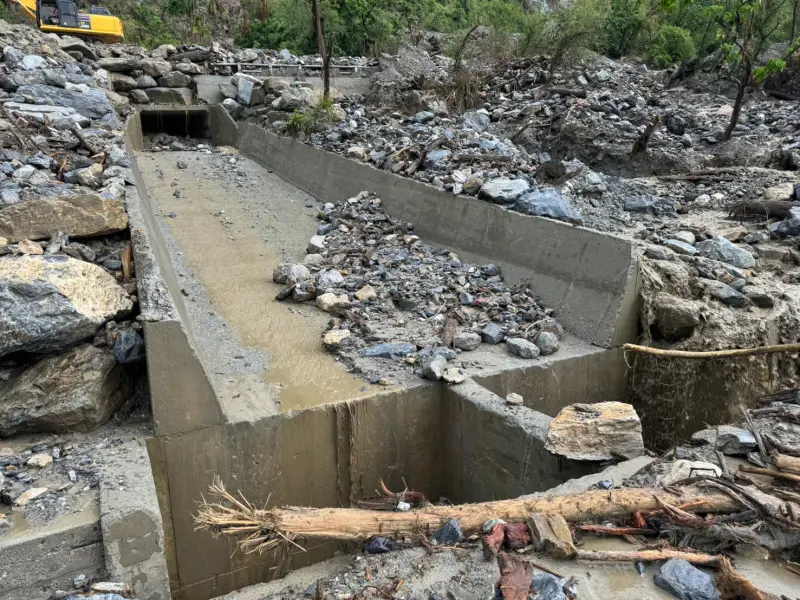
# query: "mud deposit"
[227,222]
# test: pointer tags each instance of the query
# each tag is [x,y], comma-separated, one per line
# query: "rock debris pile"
[394,297]
[68,294]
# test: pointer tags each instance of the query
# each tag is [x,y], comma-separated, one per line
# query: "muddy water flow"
[230,223]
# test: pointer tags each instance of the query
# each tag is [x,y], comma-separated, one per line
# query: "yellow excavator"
[62,16]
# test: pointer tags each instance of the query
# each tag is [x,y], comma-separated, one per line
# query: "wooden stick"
[770,472]
[602,529]
[706,560]
[713,353]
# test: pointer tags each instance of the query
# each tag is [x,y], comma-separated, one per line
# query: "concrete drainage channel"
[460,442]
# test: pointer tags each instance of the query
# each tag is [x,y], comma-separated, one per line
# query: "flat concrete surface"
[227,222]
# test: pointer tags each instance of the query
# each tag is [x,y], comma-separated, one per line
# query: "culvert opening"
[177,122]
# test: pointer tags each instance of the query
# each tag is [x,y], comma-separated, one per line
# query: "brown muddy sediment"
[231,231]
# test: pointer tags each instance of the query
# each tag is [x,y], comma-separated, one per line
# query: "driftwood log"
[264,529]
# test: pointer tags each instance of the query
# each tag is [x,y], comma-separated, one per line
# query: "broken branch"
[713,353]
[706,560]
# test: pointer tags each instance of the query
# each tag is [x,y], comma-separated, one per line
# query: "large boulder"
[72,44]
[296,98]
[249,92]
[722,249]
[550,203]
[163,95]
[602,431]
[122,83]
[189,68]
[75,391]
[93,104]
[503,190]
[81,215]
[685,581]
[175,79]
[155,67]
[48,303]
[120,64]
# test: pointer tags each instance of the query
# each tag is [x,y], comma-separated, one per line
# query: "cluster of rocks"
[67,279]
[95,590]
[420,304]
[226,54]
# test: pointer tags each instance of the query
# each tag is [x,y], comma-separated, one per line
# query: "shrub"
[626,19]
[671,45]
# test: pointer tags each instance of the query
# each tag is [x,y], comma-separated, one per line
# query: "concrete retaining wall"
[589,278]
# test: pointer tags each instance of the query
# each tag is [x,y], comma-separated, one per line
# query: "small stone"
[449,533]
[659,253]
[366,294]
[453,376]
[316,244]
[29,247]
[492,333]
[602,431]
[314,260]
[466,340]
[434,369]
[522,348]
[40,460]
[380,545]
[514,399]
[389,350]
[91,176]
[290,274]
[329,302]
[304,291]
[328,279]
[685,581]
[702,201]
[733,441]
[335,337]
[466,298]
[29,495]
[547,342]
[181,164]
[684,469]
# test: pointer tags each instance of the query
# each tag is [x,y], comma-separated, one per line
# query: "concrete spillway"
[297,427]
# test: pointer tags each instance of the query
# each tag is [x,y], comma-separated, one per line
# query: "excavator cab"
[63,16]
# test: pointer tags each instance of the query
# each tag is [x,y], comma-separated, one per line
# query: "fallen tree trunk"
[268,528]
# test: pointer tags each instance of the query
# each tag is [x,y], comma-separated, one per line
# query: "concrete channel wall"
[589,278]
[460,442]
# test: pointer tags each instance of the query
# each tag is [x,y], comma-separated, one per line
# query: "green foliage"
[671,45]
[146,27]
[307,122]
[626,19]
[774,65]
[289,26]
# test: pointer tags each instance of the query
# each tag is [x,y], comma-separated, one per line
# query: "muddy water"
[232,253]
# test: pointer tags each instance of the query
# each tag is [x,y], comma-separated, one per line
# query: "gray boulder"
[476,121]
[547,342]
[722,249]
[48,303]
[503,190]
[122,83]
[434,368]
[733,441]
[120,64]
[228,90]
[31,62]
[466,340]
[296,98]
[436,158]
[522,348]
[145,81]
[492,333]
[790,226]
[12,56]
[76,215]
[329,279]
[69,43]
[155,67]
[75,391]
[726,294]
[234,109]
[139,97]
[164,95]
[550,203]
[650,204]
[93,104]
[685,581]
[680,246]
[189,68]
[249,92]
[54,78]
[175,79]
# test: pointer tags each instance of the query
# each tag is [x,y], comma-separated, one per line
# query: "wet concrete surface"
[227,223]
